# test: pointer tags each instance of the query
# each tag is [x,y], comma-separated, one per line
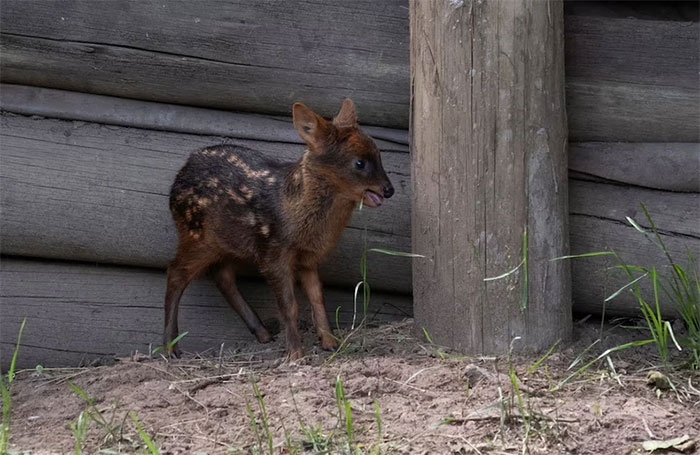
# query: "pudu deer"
[232,206]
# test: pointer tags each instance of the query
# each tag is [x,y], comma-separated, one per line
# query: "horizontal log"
[62,104]
[78,313]
[627,79]
[241,55]
[618,111]
[90,192]
[665,166]
[598,212]
[631,50]
[630,79]
[673,213]
[639,9]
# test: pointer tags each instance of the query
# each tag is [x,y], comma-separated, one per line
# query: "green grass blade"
[253,422]
[11,373]
[339,396]
[524,290]
[583,353]
[508,273]
[539,361]
[631,283]
[673,336]
[80,393]
[144,436]
[348,421]
[584,255]
[6,394]
[404,254]
[378,417]
[600,357]
[427,336]
[171,344]
[263,416]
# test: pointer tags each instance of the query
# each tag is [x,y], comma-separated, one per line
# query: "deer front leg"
[311,283]
[281,279]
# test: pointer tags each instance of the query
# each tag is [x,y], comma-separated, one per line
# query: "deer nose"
[388,191]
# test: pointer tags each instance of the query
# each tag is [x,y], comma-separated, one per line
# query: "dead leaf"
[681,444]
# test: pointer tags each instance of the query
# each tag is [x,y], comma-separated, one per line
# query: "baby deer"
[233,206]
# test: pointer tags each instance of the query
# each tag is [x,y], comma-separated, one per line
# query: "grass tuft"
[6,393]
[680,287]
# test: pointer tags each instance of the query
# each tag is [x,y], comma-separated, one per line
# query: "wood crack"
[624,223]
[593,178]
[165,53]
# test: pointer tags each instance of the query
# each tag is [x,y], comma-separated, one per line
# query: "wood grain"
[252,56]
[67,105]
[489,163]
[79,313]
[619,111]
[664,166]
[630,79]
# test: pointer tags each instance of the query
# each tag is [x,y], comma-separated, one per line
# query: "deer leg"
[311,283]
[225,278]
[281,279]
[188,264]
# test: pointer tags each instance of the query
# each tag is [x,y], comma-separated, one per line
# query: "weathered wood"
[639,9]
[632,80]
[627,79]
[83,191]
[62,104]
[489,164]
[675,214]
[630,50]
[593,280]
[612,111]
[598,212]
[254,56]
[77,313]
[669,166]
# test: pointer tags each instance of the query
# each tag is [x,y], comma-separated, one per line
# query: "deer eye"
[360,164]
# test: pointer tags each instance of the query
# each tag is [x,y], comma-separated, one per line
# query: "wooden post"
[489,166]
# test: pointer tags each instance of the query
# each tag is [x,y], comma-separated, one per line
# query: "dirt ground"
[428,400]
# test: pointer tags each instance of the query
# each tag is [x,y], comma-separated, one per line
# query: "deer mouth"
[372,199]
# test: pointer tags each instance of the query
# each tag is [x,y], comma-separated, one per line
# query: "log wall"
[84,177]
[112,311]
[262,56]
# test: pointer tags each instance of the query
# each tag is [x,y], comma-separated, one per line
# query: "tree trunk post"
[489,172]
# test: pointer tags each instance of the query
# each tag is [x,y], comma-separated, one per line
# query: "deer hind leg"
[225,278]
[311,283]
[190,261]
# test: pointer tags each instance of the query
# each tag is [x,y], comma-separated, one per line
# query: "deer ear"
[346,117]
[310,126]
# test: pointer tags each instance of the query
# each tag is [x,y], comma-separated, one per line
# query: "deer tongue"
[372,199]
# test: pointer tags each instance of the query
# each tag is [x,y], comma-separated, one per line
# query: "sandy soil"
[429,402]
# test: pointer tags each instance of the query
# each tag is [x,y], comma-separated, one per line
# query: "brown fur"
[232,206]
